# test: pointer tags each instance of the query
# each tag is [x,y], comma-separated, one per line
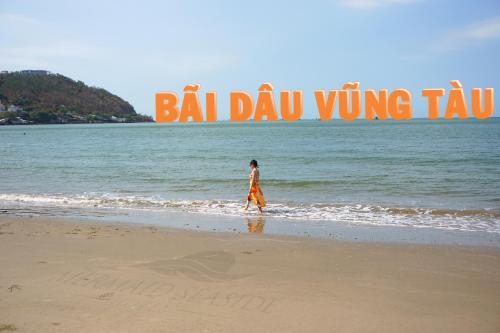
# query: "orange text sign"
[349,103]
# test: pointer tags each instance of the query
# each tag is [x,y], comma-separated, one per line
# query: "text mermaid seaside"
[381,104]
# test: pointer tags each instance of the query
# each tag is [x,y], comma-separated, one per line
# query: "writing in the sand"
[378,104]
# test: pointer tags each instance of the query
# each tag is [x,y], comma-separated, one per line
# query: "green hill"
[41,97]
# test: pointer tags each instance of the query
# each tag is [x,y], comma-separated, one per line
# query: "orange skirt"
[257,197]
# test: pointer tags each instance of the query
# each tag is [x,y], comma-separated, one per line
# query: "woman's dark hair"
[254,163]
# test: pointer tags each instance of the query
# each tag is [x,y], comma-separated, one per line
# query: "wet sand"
[72,276]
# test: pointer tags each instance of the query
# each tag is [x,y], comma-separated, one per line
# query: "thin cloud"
[484,30]
[370,4]
[471,35]
[478,32]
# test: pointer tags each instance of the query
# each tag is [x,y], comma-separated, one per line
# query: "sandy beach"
[249,167]
[73,276]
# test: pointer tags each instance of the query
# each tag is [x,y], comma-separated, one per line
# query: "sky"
[137,48]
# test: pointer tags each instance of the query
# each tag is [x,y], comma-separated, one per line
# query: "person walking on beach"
[254,192]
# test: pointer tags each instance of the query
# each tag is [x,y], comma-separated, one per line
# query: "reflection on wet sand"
[256,225]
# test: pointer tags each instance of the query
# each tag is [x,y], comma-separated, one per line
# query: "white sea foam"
[476,220]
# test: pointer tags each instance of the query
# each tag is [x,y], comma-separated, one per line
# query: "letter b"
[166,107]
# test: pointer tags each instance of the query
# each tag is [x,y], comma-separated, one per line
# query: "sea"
[316,176]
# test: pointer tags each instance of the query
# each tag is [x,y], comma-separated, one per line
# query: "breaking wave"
[467,220]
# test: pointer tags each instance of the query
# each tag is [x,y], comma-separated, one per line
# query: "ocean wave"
[467,220]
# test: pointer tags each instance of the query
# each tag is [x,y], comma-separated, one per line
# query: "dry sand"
[72,276]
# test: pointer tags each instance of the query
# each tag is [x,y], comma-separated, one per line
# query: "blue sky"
[136,48]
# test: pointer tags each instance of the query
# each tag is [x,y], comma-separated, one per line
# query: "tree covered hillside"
[43,97]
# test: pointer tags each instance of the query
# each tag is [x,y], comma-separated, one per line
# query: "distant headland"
[42,97]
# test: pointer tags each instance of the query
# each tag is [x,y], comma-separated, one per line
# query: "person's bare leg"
[260,208]
[246,206]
